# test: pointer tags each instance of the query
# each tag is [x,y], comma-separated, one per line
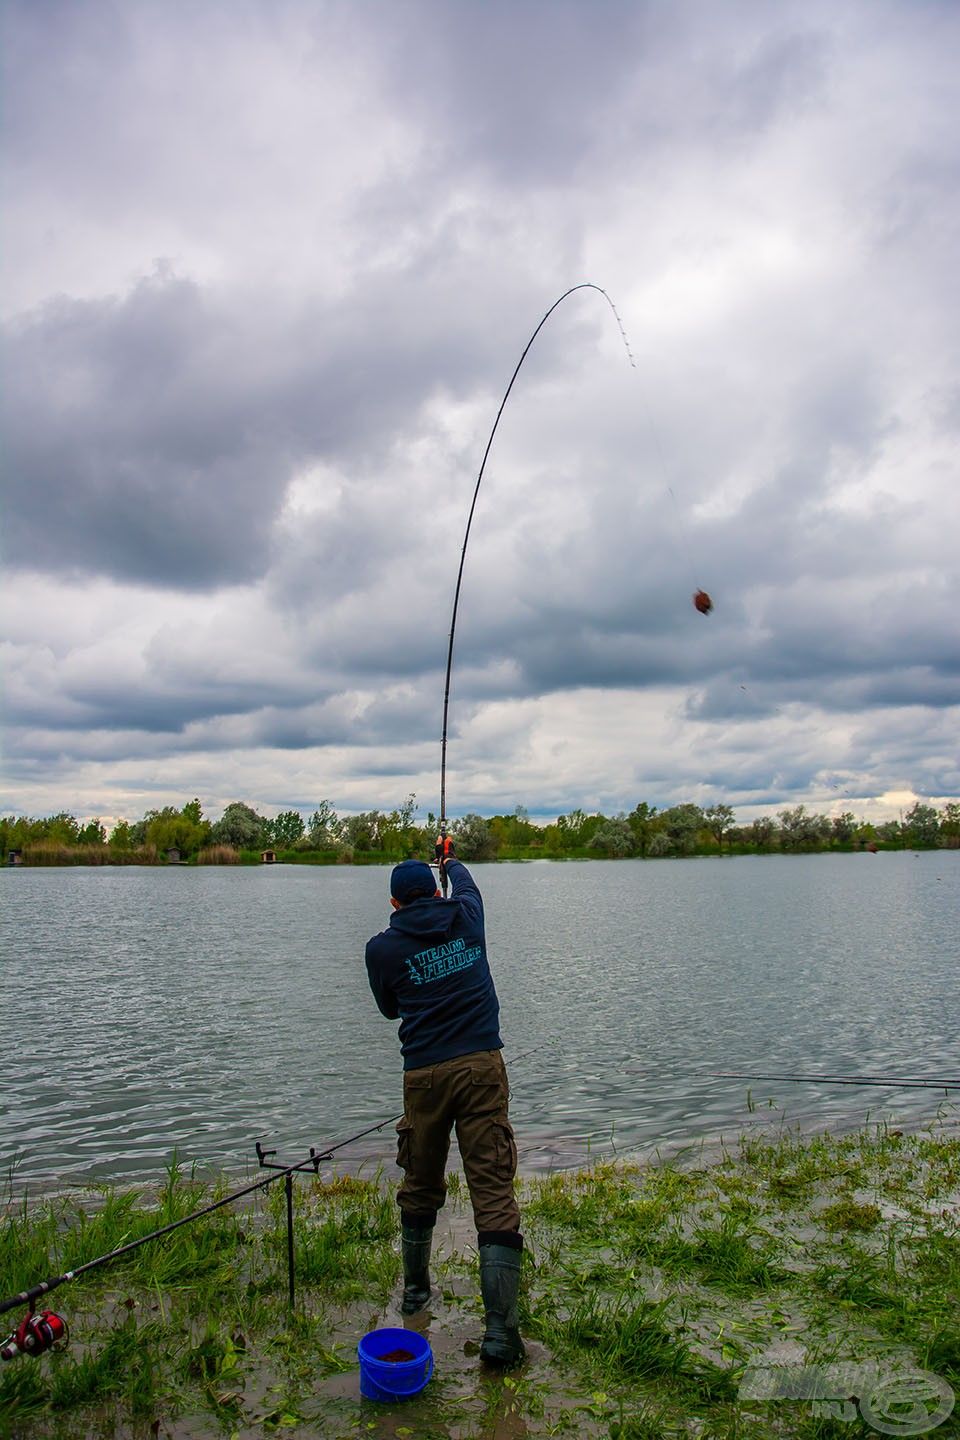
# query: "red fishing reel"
[35,1334]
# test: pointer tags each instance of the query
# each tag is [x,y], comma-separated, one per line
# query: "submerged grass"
[653,1298]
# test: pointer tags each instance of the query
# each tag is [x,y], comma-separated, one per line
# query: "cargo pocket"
[506,1149]
[489,1089]
[404,1144]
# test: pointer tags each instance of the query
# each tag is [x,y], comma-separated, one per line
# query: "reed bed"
[219,855]
[51,852]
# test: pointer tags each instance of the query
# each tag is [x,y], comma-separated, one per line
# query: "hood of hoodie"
[427,917]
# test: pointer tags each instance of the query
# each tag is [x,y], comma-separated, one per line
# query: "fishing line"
[683,536]
[586,285]
[920,1082]
[894,1081]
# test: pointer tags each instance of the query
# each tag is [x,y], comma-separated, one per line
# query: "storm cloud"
[269,269]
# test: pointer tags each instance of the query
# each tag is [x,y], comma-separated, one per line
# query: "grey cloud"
[545,103]
[525,102]
[786,72]
[784,176]
[153,437]
[125,455]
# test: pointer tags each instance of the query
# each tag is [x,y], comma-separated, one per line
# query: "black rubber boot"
[415,1242]
[500,1285]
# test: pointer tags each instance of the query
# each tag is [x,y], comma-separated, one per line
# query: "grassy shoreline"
[652,1294]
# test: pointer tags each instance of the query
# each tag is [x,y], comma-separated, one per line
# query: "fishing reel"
[35,1334]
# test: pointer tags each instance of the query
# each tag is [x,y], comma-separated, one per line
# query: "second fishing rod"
[44,1334]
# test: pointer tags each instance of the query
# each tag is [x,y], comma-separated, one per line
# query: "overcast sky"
[268,270]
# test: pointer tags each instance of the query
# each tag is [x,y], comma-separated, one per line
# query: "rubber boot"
[499,1285]
[415,1242]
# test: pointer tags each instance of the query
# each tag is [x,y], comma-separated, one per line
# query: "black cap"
[412,879]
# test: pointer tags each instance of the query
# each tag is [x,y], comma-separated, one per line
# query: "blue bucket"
[393,1379]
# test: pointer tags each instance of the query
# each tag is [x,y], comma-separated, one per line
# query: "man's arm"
[384,996]
[463,887]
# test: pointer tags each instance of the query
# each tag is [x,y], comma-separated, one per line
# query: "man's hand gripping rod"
[443,851]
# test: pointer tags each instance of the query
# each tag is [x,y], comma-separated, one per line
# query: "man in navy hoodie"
[430,971]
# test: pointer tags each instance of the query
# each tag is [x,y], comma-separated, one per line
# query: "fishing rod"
[28,1297]
[38,1333]
[586,285]
[894,1081]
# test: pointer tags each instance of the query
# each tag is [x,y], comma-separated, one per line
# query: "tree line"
[241,835]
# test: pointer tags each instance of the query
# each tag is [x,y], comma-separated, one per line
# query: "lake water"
[147,1011]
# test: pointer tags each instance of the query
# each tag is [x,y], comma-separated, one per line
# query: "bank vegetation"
[242,835]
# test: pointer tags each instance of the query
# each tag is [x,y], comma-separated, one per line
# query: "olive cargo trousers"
[469,1093]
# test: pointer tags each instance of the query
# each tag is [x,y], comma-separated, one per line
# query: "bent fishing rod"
[586,285]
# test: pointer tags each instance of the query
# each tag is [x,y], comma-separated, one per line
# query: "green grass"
[647,1294]
[179,1326]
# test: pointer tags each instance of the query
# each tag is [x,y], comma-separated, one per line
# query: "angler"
[429,970]
[454,1073]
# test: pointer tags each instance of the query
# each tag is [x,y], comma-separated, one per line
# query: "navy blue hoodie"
[429,969]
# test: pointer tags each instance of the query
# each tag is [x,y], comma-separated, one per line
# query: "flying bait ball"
[703,602]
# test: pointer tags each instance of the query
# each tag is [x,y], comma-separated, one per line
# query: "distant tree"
[642,822]
[760,832]
[172,829]
[801,830]
[719,819]
[590,827]
[423,838]
[287,828]
[682,823]
[93,833]
[950,825]
[578,829]
[473,838]
[15,831]
[660,844]
[404,814]
[514,830]
[569,827]
[398,835]
[120,837]
[323,828]
[362,831]
[62,828]
[922,824]
[614,838]
[844,827]
[241,827]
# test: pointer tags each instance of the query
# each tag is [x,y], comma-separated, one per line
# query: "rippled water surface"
[147,1011]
